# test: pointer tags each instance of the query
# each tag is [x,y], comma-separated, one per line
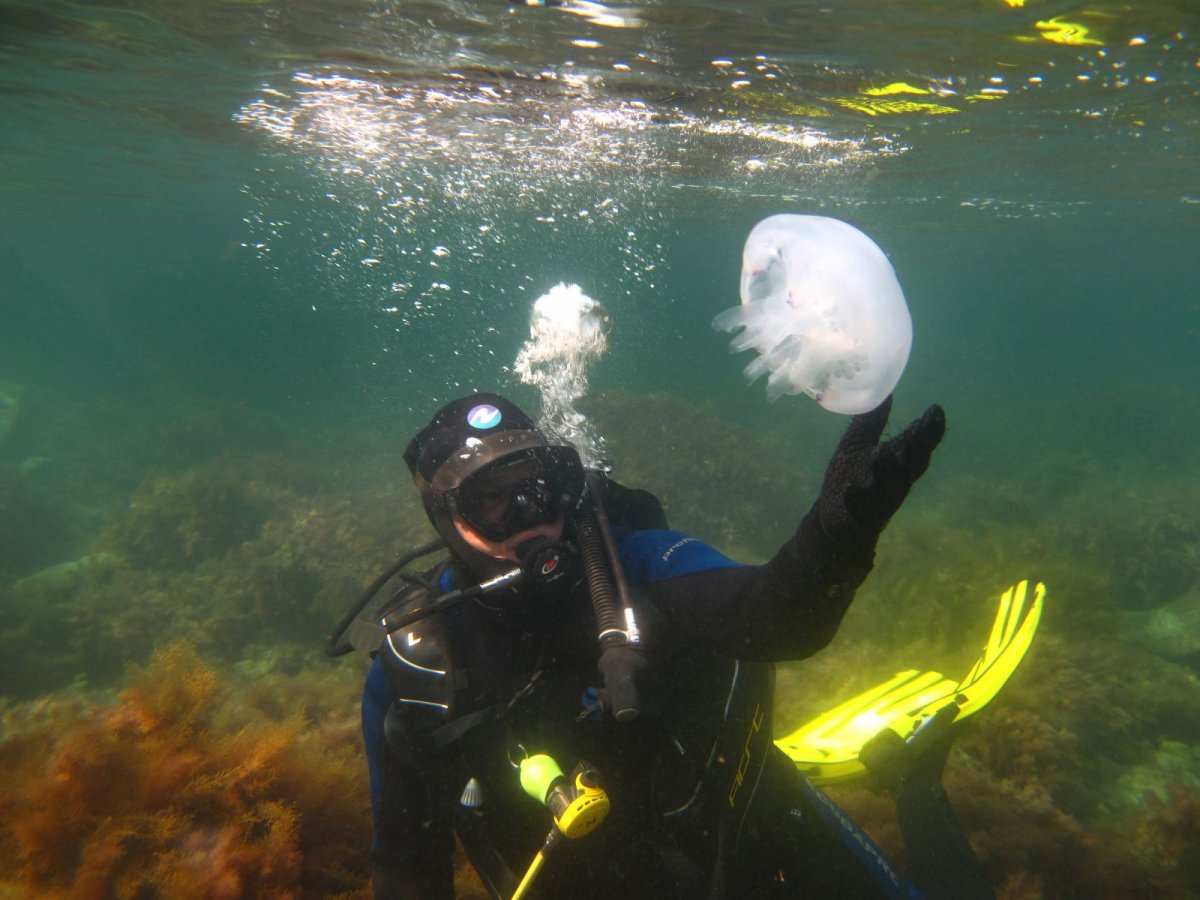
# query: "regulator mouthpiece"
[546,562]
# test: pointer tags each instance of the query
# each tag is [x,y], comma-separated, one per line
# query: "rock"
[1174,762]
[63,576]
[1173,630]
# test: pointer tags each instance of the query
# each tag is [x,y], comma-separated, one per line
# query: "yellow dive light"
[577,804]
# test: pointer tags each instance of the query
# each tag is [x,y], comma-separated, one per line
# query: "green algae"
[714,480]
[232,555]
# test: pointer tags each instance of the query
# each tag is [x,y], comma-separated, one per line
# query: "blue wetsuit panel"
[650,556]
[375,702]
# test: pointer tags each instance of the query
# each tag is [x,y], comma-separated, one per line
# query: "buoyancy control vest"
[682,777]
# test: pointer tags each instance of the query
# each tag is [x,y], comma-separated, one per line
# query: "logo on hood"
[483,416]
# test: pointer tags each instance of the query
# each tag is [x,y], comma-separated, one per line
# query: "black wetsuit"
[703,803]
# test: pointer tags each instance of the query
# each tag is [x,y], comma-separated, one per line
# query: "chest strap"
[445,735]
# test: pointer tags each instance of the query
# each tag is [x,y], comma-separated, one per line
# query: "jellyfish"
[822,307]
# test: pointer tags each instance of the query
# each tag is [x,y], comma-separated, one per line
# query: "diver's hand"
[866,481]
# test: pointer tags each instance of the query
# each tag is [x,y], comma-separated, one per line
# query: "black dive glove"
[866,481]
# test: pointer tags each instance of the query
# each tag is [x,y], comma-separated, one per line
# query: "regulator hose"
[610,625]
[334,645]
[621,660]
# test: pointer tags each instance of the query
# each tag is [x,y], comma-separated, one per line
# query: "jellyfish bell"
[823,309]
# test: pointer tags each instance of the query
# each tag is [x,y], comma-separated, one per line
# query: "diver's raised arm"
[833,550]
[792,606]
[866,481]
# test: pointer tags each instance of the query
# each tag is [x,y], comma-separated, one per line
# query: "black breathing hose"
[616,629]
[609,616]
[335,646]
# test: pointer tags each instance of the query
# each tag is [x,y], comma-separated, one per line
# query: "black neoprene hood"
[464,436]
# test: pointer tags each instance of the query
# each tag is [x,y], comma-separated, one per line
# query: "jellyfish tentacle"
[823,309]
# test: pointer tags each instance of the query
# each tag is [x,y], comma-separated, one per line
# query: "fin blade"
[989,675]
[826,748]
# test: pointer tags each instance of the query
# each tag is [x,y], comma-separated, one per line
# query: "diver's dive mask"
[504,483]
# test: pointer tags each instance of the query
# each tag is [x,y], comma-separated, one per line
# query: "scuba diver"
[570,630]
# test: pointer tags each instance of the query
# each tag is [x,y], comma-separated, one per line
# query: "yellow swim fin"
[826,749]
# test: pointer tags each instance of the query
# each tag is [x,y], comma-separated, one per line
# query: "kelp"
[179,790]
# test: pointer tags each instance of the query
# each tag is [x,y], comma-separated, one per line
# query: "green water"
[247,248]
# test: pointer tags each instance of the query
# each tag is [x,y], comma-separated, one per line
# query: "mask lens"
[521,492]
